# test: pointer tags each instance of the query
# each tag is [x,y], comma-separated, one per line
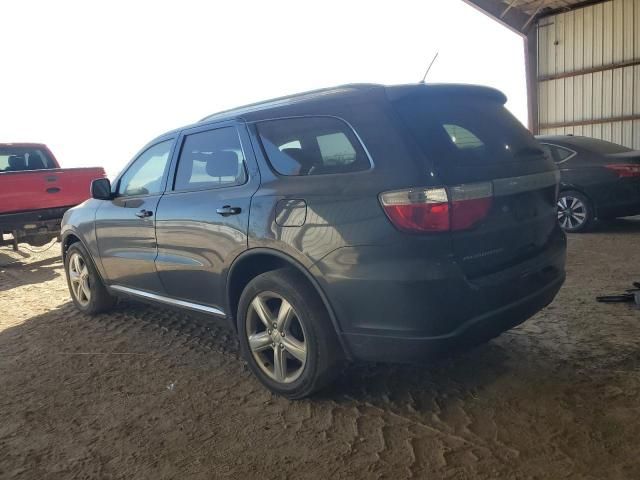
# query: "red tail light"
[469,204]
[418,210]
[624,170]
[436,210]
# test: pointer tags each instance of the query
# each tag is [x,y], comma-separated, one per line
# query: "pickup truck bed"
[45,189]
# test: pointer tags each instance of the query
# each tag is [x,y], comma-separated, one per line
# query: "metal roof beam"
[507,15]
[506,10]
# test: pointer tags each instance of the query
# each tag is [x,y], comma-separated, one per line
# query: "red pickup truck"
[35,192]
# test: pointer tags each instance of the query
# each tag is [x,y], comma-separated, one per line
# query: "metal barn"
[583,64]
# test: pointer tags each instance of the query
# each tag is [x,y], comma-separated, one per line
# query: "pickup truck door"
[31,181]
[203,217]
[125,226]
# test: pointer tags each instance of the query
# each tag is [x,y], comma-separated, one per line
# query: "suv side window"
[312,146]
[144,176]
[211,159]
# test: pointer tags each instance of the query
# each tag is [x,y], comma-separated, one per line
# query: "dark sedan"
[600,180]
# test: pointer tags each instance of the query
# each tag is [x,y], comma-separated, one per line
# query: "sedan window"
[558,154]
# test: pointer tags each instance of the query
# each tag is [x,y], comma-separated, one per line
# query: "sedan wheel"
[276,337]
[79,279]
[574,213]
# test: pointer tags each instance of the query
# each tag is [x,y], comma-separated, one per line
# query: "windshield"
[19,159]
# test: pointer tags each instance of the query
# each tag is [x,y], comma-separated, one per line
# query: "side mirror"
[101,189]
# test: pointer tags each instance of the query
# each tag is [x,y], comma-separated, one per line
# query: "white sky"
[97,80]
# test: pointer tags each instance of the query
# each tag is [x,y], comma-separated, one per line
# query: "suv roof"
[286,106]
[23,144]
[280,102]
[350,90]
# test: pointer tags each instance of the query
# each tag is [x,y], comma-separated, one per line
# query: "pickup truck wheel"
[285,335]
[87,290]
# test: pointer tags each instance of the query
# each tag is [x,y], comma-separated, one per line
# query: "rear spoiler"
[398,92]
[630,155]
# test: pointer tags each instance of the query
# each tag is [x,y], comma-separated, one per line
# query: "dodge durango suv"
[362,222]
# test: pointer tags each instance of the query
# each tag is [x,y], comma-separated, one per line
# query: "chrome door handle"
[228,210]
[144,213]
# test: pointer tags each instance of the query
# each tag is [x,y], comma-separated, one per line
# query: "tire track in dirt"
[147,392]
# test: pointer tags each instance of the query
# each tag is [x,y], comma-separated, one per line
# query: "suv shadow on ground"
[144,391]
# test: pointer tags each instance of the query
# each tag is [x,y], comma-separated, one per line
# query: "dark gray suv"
[359,222]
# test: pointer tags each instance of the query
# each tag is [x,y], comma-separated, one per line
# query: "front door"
[125,226]
[203,217]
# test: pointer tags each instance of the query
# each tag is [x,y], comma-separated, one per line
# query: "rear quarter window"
[557,153]
[312,146]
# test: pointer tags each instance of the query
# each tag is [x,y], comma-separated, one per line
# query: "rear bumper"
[33,223]
[475,331]
[394,305]
[616,199]
[619,210]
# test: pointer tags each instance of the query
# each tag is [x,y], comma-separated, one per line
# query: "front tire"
[85,285]
[286,336]
[575,213]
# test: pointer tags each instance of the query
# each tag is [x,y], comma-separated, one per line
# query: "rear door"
[125,226]
[202,219]
[478,149]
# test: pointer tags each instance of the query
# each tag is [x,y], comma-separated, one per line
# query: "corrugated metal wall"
[589,72]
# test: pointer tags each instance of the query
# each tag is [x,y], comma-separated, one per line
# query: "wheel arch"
[71,237]
[256,261]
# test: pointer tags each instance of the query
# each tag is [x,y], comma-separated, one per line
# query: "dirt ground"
[146,392]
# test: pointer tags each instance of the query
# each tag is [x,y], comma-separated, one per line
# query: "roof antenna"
[429,69]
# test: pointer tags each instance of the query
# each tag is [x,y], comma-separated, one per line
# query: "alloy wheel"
[276,337]
[572,212]
[79,279]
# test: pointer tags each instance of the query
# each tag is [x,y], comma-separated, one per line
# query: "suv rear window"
[312,146]
[19,159]
[467,130]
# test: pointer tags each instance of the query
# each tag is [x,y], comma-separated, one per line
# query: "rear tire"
[286,336]
[85,285]
[575,212]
